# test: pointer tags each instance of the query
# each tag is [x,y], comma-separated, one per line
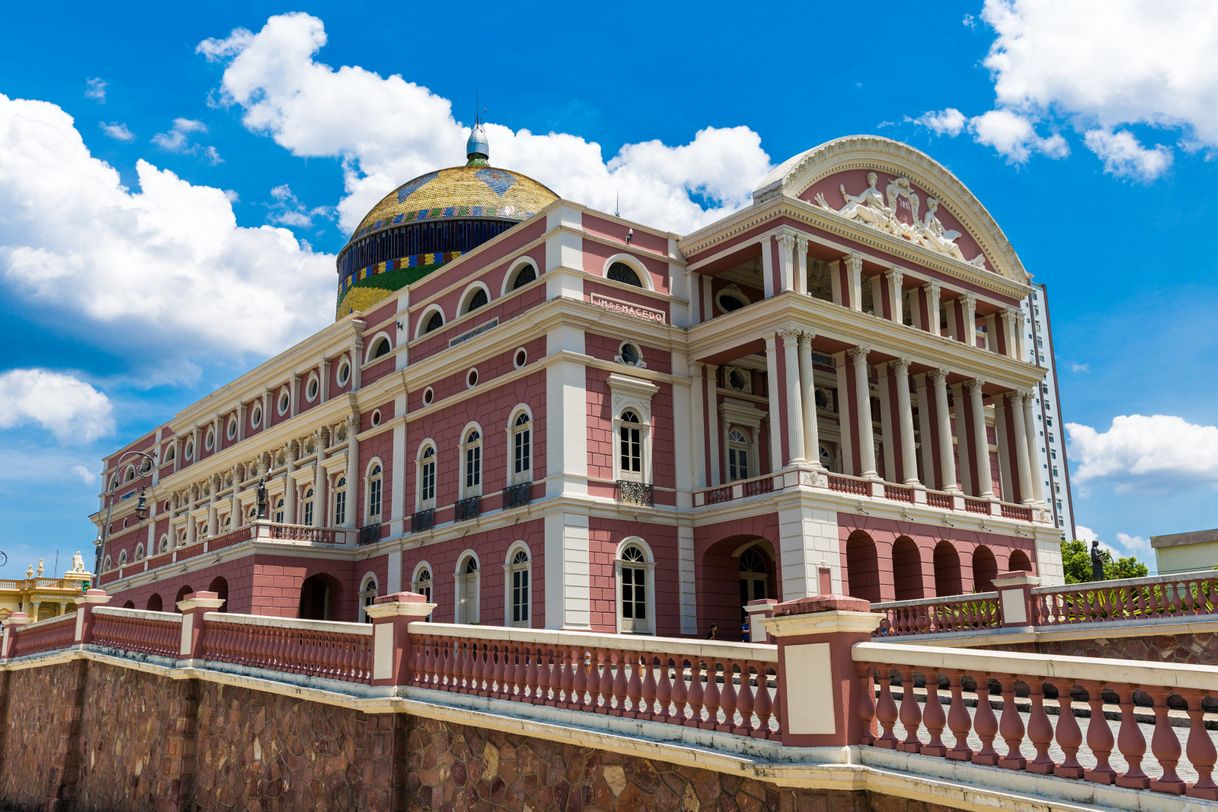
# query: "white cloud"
[950,122]
[1084,533]
[1134,545]
[178,139]
[86,475]
[95,89]
[1154,449]
[1125,157]
[66,406]
[1014,136]
[117,131]
[1078,368]
[164,269]
[288,210]
[405,129]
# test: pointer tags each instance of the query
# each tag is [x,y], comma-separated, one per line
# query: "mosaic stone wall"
[1201,648]
[40,763]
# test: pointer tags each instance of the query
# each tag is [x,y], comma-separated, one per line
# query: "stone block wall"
[1197,648]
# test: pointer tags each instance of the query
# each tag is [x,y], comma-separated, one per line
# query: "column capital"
[790,334]
[853,261]
[934,287]
[697,366]
[938,375]
[806,337]
[861,351]
[969,299]
[786,239]
[895,274]
[801,242]
[974,385]
[899,364]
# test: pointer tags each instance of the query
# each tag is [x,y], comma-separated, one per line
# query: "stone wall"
[1200,648]
[87,735]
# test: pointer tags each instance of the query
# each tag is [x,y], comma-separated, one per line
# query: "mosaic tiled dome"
[431,220]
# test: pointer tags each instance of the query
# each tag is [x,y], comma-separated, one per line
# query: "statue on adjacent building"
[1097,561]
[78,562]
[41,568]
[261,498]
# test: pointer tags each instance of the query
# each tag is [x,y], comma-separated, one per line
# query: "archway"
[219,585]
[1019,561]
[907,569]
[948,579]
[126,605]
[985,567]
[183,593]
[862,567]
[154,602]
[730,573]
[319,597]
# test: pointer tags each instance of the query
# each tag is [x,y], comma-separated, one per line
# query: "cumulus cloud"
[178,138]
[85,475]
[1153,449]
[66,406]
[117,131]
[164,268]
[1014,136]
[1124,156]
[1084,533]
[948,122]
[1135,545]
[405,129]
[95,89]
[288,210]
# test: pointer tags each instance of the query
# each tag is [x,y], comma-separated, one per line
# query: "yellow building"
[1183,552]
[43,598]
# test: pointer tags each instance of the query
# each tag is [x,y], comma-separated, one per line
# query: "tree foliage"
[1076,559]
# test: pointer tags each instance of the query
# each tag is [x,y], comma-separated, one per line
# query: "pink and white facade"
[811,395]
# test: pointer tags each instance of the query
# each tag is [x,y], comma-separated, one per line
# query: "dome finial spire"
[477,150]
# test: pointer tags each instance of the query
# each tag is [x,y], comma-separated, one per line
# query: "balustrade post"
[391,617]
[193,608]
[84,613]
[15,621]
[817,680]
[1015,597]
[758,612]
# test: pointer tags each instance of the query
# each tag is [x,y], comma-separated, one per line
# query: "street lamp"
[141,505]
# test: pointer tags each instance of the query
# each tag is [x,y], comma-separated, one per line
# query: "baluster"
[634,686]
[546,676]
[650,688]
[532,675]
[484,669]
[680,691]
[985,724]
[1099,738]
[695,693]
[1165,747]
[727,698]
[886,711]
[605,684]
[1040,730]
[745,700]
[499,652]
[1131,742]
[1069,736]
[911,714]
[619,682]
[1201,751]
[764,705]
[711,696]
[865,707]
[934,718]
[576,699]
[566,677]
[664,690]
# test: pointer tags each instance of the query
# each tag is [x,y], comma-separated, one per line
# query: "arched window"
[139,552]
[427,476]
[367,596]
[164,545]
[519,571]
[279,510]
[630,445]
[306,507]
[130,475]
[754,575]
[108,563]
[471,453]
[473,299]
[467,589]
[636,603]
[171,453]
[621,272]
[431,321]
[737,455]
[122,558]
[375,479]
[381,346]
[340,501]
[421,583]
[522,448]
[523,275]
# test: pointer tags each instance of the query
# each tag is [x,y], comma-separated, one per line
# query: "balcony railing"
[422,520]
[468,508]
[635,493]
[518,495]
[369,534]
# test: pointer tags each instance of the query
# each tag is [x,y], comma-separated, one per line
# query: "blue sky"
[218,155]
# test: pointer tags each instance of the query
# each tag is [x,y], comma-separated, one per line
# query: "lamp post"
[141,506]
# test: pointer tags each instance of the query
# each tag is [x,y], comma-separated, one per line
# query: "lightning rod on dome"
[477,149]
[617,205]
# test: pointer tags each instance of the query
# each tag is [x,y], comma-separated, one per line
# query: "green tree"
[1076,560]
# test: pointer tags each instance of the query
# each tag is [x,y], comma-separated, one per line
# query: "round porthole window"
[521,358]
[344,373]
[312,389]
[256,417]
[376,417]
[429,395]
[471,379]
[231,431]
[629,354]
[209,441]
[285,400]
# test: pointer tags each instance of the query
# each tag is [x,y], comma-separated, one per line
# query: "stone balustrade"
[933,615]
[45,635]
[326,649]
[137,630]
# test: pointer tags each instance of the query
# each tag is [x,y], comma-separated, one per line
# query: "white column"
[1038,493]
[947,455]
[807,385]
[862,399]
[854,273]
[238,519]
[295,390]
[1020,441]
[357,359]
[985,476]
[970,320]
[959,395]
[289,488]
[353,471]
[896,293]
[888,430]
[319,486]
[698,421]
[767,270]
[933,306]
[241,421]
[266,410]
[801,264]
[786,260]
[191,534]
[323,374]
[775,418]
[713,429]
[909,463]
[1006,476]
[1010,332]
[845,411]
[928,447]
[794,396]
[1020,348]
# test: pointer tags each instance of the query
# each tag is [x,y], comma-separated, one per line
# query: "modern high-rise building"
[538,414]
[1047,411]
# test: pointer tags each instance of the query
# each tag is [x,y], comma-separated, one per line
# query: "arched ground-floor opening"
[862,567]
[1019,562]
[907,569]
[182,595]
[985,567]
[154,602]
[320,596]
[948,580]
[732,572]
[219,585]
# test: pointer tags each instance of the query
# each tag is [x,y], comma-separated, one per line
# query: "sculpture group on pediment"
[897,212]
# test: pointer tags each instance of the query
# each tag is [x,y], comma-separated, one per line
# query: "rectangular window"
[340,508]
[631,450]
[473,467]
[427,481]
[308,512]
[520,596]
[374,498]
[521,453]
